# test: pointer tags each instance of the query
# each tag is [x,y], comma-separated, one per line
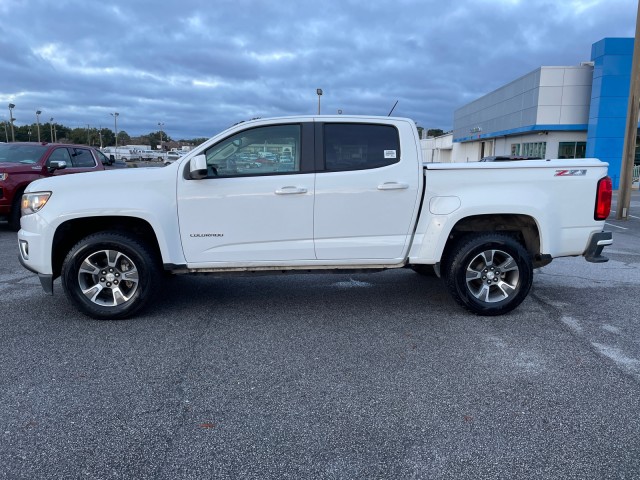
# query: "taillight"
[603,199]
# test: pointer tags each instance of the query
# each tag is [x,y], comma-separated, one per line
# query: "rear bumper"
[597,242]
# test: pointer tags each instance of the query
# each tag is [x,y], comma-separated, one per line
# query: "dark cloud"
[199,66]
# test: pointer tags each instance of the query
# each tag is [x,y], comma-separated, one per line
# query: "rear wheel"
[109,275]
[489,274]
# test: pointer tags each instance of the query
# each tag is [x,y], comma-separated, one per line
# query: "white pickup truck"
[352,194]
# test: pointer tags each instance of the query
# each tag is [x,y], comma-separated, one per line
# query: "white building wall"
[470,151]
[437,149]
[539,103]
[547,96]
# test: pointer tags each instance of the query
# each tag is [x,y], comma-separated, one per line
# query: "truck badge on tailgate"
[570,173]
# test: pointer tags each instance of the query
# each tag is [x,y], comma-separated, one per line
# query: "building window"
[572,149]
[534,149]
[515,149]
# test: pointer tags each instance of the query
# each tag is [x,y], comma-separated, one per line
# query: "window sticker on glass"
[389,154]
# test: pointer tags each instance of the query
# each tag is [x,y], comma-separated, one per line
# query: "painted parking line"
[612,225]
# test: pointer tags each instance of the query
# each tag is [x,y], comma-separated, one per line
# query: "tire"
[94,272]
[16,213]
[489,274]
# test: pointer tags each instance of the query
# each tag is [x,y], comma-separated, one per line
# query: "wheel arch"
[523,228]
[72,231]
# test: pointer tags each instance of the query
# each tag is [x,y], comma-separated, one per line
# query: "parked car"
[172,156]
[22,163]
[152,155]
[507,158]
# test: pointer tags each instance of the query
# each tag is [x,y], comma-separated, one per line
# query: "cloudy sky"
[199,66]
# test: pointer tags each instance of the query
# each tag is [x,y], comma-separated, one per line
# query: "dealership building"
[553,112]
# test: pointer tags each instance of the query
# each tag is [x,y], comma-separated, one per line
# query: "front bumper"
[34,249]
[597,242]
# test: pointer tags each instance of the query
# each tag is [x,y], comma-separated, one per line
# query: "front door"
[252,208]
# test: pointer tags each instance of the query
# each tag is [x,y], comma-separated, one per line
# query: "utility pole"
[629,152]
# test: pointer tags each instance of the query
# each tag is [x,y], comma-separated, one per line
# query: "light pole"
[161,124]
[51,127]
[319,92]
[29,133]
[100,133]
[38,112]
[88,135]
[115,125]
[11,119]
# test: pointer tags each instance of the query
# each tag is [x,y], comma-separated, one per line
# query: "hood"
[20,167]
[106,182]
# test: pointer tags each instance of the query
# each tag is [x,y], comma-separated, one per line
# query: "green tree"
[435,132]
[123,138]
[108,137]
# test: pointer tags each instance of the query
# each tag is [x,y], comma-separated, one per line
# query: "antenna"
[394,107]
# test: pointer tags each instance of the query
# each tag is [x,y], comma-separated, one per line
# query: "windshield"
[26,154]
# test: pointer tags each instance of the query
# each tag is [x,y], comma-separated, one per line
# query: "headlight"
[32,202]
[3,176]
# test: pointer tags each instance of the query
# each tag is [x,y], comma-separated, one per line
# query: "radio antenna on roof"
[394,107]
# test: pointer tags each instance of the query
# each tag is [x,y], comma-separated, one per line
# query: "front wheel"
[489,274]
[109,275]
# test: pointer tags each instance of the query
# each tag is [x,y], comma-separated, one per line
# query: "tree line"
[103,137]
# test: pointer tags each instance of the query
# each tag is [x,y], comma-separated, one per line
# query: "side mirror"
[56,165]
[198,167]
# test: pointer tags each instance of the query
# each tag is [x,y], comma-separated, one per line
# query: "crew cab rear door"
[367,189]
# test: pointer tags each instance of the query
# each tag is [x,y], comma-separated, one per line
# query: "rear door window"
[82,158]
[350,146]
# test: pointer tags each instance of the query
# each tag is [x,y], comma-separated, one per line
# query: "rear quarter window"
[350,146]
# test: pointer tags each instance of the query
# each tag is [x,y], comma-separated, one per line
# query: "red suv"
[22,163]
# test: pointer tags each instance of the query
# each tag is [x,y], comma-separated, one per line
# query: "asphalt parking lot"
[327,376]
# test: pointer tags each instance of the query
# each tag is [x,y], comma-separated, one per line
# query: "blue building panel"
[615,85]
[609,127]
[609,97]
[611,46]
[613,107]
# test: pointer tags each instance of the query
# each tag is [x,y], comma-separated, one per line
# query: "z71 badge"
[570,173]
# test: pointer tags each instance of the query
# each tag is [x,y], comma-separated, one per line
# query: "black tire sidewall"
[471,246]
[146,264]
[16,213]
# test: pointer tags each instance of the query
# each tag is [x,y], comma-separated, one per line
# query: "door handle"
[393,186]
[291,190]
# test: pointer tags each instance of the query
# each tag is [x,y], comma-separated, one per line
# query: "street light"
[38,112]
[115,125]
[29,133]
[319,92]
[11,119]
[51,126]
[161,124]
